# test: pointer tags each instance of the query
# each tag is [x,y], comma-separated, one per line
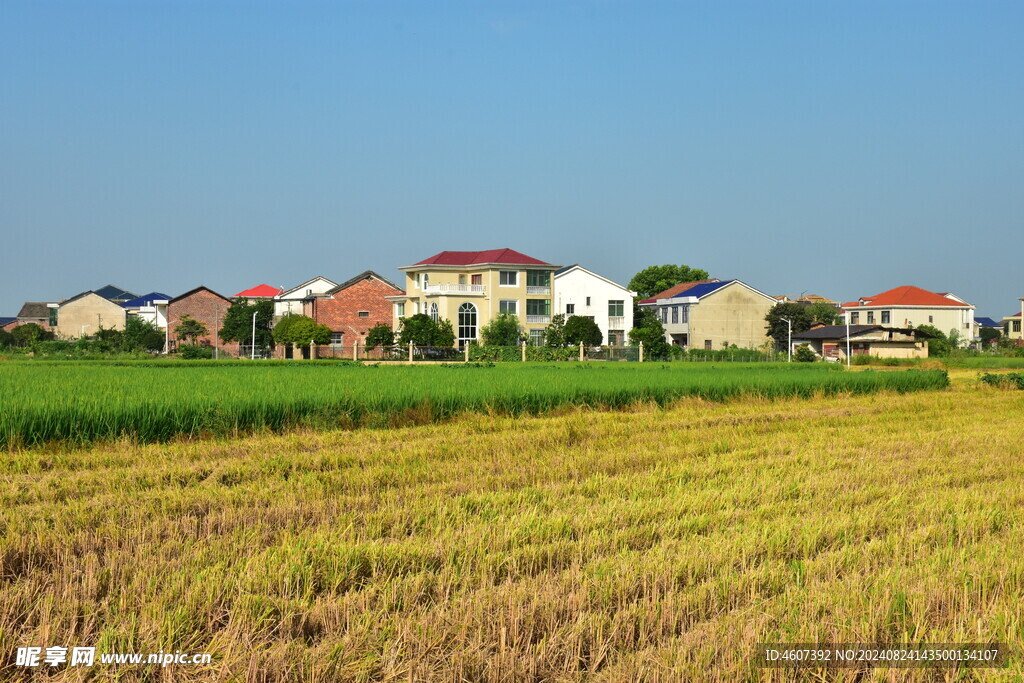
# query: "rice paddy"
[653,543]
[85,402]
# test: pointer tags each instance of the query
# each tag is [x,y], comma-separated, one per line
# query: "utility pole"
[253,336]
[789,340]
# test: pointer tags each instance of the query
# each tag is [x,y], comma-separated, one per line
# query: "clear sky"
[839,148]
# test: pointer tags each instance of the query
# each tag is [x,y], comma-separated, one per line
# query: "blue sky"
[835,148]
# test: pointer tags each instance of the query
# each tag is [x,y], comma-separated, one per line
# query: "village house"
[150,308]
[84,314]
[37,312]
[713,314]
[581,292]
[258,293]
[909,306]
[1012,326]
[471,288]
[353,307]
[830,341]
[206,306]
[290,301]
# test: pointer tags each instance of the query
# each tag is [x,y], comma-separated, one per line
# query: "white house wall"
[574,286]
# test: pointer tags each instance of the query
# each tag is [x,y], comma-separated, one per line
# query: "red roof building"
[476,258]
[909,306]
[260,292]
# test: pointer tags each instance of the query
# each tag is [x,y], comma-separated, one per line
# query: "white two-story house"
[909,306]
[579,291]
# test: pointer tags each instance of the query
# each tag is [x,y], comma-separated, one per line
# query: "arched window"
[467,323]
[433,312]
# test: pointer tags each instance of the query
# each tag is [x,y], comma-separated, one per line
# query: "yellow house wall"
[88,312]
[733,315]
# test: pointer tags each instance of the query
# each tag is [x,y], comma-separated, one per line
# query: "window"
[675,314]
[588,301]
[426,280]
[337,338]
[462,279]
[931,318]
[477,279]
[707,344]
[364,314]
[570,309]
[664,314]
[309,292]
[616,308]
[433,312]
[53,317]
[537,337]
[508,306]
[538,278]
[467,323]
[871,317]
[400,310]
[684,315]
[538,307]
[885,317]
[854,318]
[508,278]
[417,281]
[1016,326]
[616,337]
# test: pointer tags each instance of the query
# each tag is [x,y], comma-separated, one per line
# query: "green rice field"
[86,402]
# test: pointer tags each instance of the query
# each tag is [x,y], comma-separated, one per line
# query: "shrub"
[380,335]
[195,352]
[579,329]
[504,330]
[804,354]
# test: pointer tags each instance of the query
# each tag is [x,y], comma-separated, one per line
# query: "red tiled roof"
[468,258]
[676,290]
[260,291]
[908,295]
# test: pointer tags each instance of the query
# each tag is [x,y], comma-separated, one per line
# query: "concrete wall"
[733,314]
[576,285]
[85,315]
[291,302]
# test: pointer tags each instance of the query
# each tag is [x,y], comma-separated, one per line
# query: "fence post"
[581,351]
[312,350]
[467,352]
[524,351]
[641,352]
[410,352]
[355,350]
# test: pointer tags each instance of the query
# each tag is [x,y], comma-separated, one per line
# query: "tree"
[778,330]
[30,333]
[422,330]
[504,330]
[189,329]
[554,334]
[6,339]
[141,335]
[300,330]
[654,279]
[579,329]
[380,335]
[821,312]
[938,344]
[237,325]
[988,336]
[651,332]
[804,354]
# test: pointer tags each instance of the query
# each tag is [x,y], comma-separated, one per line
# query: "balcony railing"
[454,289]
[538,318]
[535,289]
[616,322]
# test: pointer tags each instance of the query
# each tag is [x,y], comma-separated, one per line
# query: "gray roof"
[366,274]
[34,309]
[839,331]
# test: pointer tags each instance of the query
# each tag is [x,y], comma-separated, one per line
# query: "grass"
[84,402]
[649,544]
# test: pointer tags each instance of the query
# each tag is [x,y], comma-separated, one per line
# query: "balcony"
[477,290]
[534,289]
[534,319]
[617,322]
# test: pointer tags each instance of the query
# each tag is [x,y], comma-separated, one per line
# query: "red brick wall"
[207,308]
[340,312]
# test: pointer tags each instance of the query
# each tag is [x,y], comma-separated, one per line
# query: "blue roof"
[987,322]
[146,300]
[703,289]
[5,320]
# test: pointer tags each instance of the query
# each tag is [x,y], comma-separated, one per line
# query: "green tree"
[824,313]
[380,335]
[189,329]
[141,335]
[778,330]
[504,330]
[6,339]
[422,330]
[579,329]
[654,279]
[804,354]
[651,332]
[30,333]
[554,333]
[988,335]
[300,330]
[938,344]
[237,325]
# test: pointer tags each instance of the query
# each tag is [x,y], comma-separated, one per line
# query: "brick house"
[206,306]
[353,307]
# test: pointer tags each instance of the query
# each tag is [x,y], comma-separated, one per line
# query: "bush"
[804,354]
[1012,379]
[195,352]
[579,329]
[380,335]
[504,330]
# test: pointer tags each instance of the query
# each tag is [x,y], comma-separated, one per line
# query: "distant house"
[84,314]
[8,321]
[290,300]
[471,288]
[988,322]
[806,299]
[353,307]
[713,314]
[206,306]
[114,293]
[829,341]
[259,293]
[910,306]
[38,312]
[1011,326]
[151,308]
[579,291]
